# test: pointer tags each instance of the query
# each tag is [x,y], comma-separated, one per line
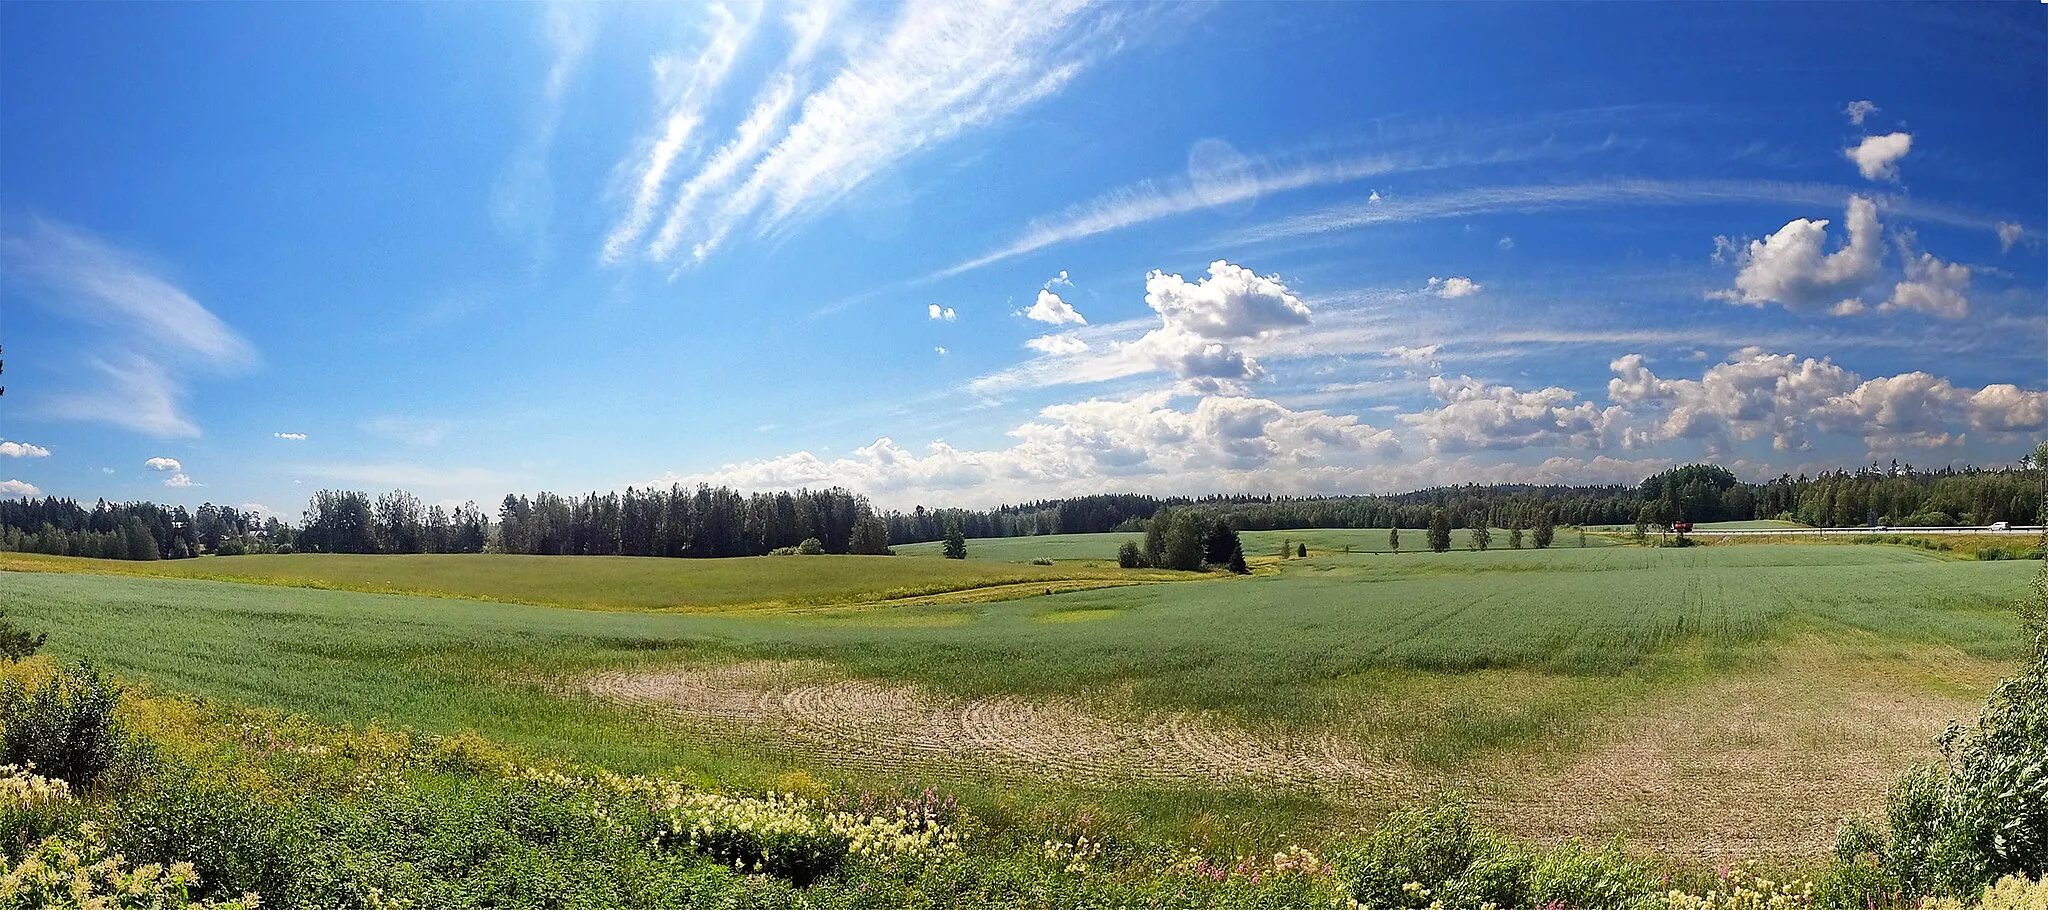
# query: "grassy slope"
[601,582]
[1320,542]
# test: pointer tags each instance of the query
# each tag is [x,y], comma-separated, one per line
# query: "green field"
[1323,691]
[609,582]
[1320,542]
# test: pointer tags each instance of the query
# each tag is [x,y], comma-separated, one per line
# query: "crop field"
[1568,692]
[1320,542]
[615,582]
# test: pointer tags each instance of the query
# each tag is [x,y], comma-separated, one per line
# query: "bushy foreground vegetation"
[211,807]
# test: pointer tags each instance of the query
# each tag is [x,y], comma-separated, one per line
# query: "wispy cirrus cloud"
[938,69]
[1546,197]
[523,199]
[143,337]
[686,89]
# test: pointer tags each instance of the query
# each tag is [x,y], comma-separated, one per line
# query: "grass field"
[615,582]
[1315,695]
[1320,542]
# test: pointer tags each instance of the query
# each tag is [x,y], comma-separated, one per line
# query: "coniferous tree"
[1482,537]
[1440,531]
[1394,539]
[1129,556]
[1546,530]
[1515,535]
[956,543]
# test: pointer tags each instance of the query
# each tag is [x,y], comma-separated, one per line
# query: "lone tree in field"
[1301,550]
[1515,534]
[870,538]
[1546,528]
[1482,537]
[1394,539]
[1440,531]
[956,543]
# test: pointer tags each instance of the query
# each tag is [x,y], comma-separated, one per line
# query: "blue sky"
[964,253]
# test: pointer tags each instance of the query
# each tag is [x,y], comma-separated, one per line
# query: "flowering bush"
[2009,893]
[79,873]
[1743,889]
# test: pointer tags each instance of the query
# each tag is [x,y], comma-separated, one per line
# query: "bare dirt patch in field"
[1754,764]
[1763,764]
[870,726]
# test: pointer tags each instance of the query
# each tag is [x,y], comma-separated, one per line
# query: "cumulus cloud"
[295,437]
[1791,267]
[1786,398]
[1450,288]
[2008,234]
[1476,415]
[1877,157]
[1093,445]
[1507,243]
[1932,286]
[941,314]
[1857,110]
[941,351]
[161,463]
[179,480]
[1049,308]
[1057,345]
[18,489]
[22,450]
[147,336]
[1199,319]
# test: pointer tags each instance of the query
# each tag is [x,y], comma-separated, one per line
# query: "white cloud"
[1790,266]
[1198,319]
[686,89]
[1476,415]
[414,431]
[1877,157]
[2008,234]
[1421,354]
[161,463]
[941,351]
[1098,444]
[418,478]
[1931,286]
[22,450]
[1507,243]
[941,314]
[295,437]
[141,325]
[940,68]
[1857,110]
[1756,394]
[106,470]
[523,198]
[1049,308]
[18,489]
[1057,345]
[1450,288]
[179,480]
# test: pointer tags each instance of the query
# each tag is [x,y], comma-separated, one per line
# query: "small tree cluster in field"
[1181,539]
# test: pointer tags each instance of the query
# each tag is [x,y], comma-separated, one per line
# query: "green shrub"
[1994,553]
[1957,828]
[64,728]
[1437,857]
[15,643]
[1129,556]
[811,547]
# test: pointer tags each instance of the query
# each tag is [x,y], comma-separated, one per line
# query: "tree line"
[707,521]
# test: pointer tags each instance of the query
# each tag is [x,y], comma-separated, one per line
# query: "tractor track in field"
[870,726]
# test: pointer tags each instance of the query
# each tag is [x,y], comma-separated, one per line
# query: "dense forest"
[710,521]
